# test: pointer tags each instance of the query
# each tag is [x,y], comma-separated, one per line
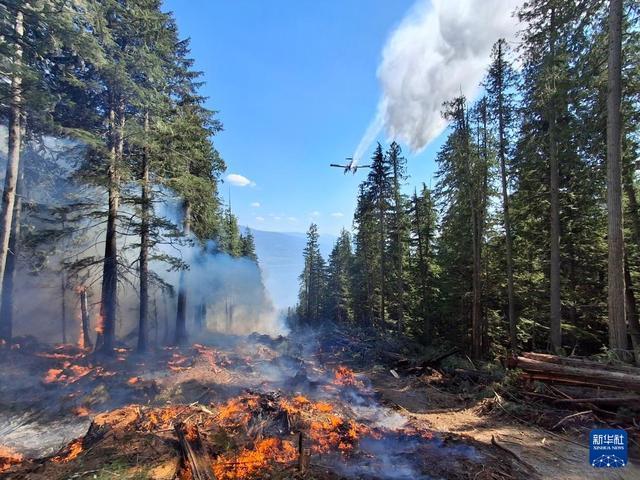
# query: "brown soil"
[553,455]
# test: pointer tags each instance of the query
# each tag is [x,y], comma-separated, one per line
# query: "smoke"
[225,293]
[440,50]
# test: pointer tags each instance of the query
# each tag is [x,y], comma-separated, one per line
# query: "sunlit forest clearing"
[476,326]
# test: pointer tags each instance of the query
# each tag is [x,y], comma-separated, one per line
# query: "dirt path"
[554,456]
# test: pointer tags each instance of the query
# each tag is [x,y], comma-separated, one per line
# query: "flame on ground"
[72,451]
[69,373]
[346,377]
[251,460]
[8,458]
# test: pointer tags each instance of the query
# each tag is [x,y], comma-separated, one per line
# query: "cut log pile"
[621,383]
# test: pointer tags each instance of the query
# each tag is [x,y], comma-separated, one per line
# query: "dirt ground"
[553,455]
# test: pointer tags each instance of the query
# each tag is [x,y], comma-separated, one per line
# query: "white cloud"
[337,214]
[255,204]
[260,219]
[292,219]
[440,49]
[277,218]
[239,180]
[315,213]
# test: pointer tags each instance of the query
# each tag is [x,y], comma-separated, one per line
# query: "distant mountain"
[280,256]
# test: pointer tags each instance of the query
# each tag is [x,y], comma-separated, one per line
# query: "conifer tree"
[248,246]
[312,281]
[339,280]
[501,84]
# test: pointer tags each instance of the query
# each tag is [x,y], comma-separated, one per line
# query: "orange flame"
[52,375]
[100,324]
[8,458]
[74,449]
[81,411]
[178,363]
[251,460]
[346,377]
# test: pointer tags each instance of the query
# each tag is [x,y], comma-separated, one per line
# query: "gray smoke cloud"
[440,50]
[230,288]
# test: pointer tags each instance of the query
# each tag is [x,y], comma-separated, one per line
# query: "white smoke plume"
[440,50]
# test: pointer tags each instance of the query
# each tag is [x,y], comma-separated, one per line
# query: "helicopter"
[350,166]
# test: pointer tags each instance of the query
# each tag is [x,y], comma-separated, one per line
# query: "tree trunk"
[587,376]
[399,247]
[476,308]
[634,217]
[482,226]
[554,189]
[631,311]
[181,314]
[616,291]
[144,247]
[84,312]
[382,252]
[476,311]
[63,303]
[423,268]
[6,309]
[165,332]
[502,152]
[13,159]
[201,315]
[580,362]
[109,295]
[155,321]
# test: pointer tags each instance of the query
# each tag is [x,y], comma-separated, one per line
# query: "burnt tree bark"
[63,304]
[181,314]
[6,308]
[13,159]
[109,295]
[143,323]
[84,318]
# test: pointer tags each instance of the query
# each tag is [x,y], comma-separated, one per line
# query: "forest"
[528,239]
[112,177]
[483,326]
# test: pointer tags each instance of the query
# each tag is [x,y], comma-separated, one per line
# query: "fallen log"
[401,361]
[590,377]
[432,362]
[580,363]
[608,401]
[194,456]
[530,376]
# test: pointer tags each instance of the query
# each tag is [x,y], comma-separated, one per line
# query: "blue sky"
[295,84]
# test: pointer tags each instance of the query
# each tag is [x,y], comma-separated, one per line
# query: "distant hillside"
[280,255]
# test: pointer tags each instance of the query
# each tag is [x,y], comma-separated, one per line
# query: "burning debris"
[215,412]
[8,458]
